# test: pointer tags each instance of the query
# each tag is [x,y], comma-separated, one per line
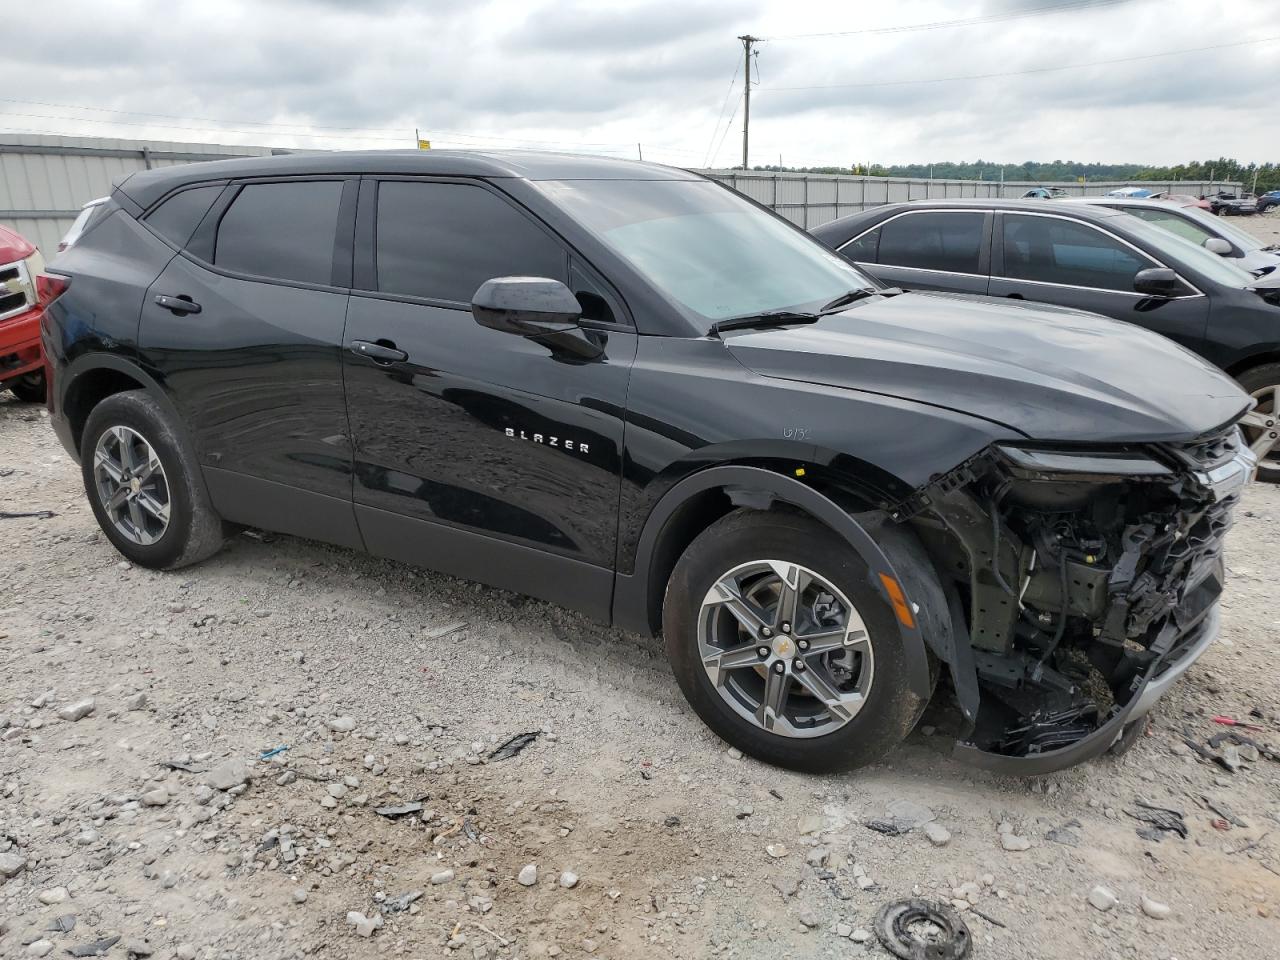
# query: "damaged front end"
[1087,582]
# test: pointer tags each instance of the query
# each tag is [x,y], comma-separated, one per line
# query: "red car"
[21,356]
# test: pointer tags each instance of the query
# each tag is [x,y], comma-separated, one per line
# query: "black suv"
[626,389]
[1090,258]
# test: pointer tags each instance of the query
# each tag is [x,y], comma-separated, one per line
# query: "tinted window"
[1175,224]
[281,230]
[177,218]
[941,240]
[863,248]
[1059,251]
[443,240]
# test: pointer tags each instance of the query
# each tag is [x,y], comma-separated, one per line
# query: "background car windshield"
[708,249]
[1216,268]
[1221,228]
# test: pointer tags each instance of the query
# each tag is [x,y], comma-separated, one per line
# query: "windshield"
[1220,227]
[714,253]
[1216,268]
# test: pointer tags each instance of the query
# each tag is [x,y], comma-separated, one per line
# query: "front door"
[1052,259]
[245,330]
[480,453]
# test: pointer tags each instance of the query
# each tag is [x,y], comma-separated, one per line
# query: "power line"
[1020,73]
[965,22]
[733,79]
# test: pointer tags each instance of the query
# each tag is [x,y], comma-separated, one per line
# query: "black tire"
[1253,380]
[891,708]
[194,531]
[29,388]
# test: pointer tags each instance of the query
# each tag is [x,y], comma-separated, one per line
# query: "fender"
[757,487]
[65,378]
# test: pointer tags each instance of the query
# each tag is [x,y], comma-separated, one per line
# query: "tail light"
[49,287]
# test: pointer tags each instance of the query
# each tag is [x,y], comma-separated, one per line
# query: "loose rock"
[1102,898]
[76,711]
[1155,909]
[528,875]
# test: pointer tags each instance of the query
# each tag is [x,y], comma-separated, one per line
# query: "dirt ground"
[391,686]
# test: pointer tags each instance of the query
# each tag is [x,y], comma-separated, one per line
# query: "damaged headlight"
[1045,463]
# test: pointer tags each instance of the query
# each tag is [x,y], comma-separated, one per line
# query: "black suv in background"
[1092,258]
[626,389]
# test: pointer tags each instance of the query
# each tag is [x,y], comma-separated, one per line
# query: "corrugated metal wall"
[811,199]
[45,180]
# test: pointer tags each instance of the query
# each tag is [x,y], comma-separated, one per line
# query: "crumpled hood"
[1049,372]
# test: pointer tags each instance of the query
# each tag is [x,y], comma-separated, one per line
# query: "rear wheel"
[144,485]
[782,646]
[29,387]
[1261,425]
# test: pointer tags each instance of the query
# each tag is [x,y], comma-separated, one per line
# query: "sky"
[662,80]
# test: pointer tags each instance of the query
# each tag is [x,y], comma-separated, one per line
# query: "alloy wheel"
[131,485]
[785,649]
[1261,427]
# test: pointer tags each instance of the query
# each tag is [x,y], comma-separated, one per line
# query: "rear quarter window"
[176,218]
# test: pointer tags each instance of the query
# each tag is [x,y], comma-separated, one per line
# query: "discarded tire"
[893,928]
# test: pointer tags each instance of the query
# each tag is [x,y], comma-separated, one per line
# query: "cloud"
[600,77]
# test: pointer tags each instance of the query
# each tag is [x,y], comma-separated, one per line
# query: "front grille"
[1208,452]
[17,293]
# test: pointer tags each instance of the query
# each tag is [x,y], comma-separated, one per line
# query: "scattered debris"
[1231,722]
[63,924]
[95,949]
[513,746]
[1225,812]
[401,903]
[402,810]
[182,765]
[894,929]
[1162,818]
[440,632]
[1155,909]
[37,514]
[1102,899]
[365,926]
[1066,834]
[274,752]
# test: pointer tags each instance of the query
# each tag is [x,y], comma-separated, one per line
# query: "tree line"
[1223,168]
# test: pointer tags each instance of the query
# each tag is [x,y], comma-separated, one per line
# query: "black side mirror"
[1157,282]
[526,306]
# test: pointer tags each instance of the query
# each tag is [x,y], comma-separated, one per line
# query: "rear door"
[1053,259]
[484,454]
[927,250]
[244,329]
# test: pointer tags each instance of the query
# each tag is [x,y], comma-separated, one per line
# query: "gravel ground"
[152,819]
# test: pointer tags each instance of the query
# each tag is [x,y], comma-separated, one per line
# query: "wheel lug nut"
[766,632]
[798,665]
[763,651]
[802,644]
[779,667]
[784,627]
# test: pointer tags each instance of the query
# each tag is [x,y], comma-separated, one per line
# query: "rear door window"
[441,241]
[863,249]
[285,231]
[177,217]
[949,240]
[1052,250]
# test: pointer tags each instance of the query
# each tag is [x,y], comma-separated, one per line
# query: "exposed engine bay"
[1079,576]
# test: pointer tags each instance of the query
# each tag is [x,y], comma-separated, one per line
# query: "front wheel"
[144,485]
[1261,425]
[29,388]
[784,648]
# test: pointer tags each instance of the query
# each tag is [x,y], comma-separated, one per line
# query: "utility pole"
[747,42]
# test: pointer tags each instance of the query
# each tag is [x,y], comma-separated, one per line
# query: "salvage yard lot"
[390,685]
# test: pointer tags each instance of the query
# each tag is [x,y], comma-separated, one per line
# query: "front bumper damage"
[1083,584]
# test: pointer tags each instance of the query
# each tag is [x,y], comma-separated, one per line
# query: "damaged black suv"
[626,389]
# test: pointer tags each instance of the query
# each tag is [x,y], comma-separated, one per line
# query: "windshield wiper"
[853,296]
[770,318]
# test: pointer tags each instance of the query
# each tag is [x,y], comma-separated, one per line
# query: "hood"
[1259,261]
[1048,372]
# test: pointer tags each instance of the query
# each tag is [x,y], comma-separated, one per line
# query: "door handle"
[382,351]
[180,304]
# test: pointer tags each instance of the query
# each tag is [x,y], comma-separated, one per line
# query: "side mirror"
[526,306]
[1156,282]
[1217,245]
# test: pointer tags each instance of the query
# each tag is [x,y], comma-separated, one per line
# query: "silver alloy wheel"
[1262,425]
[132,486]
[785,649]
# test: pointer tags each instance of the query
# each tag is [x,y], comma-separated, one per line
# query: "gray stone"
[807,916]
[155,798]
[860,936]
[1102,899]
[137,948]
[528,875]
[817,857]
[787,886]
[203,794]
[938,835]
[227,775]
[907,815]
[342,724]
[76,711]
[40,948]
[137,702]
[365,926]
[568,879]
[53,895]
[1155,909]
[1014,843]
[12,864]
[444,876]
[185,951]
[299,895]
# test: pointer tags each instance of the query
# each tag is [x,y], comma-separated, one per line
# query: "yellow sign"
[1079,179]
[424,144]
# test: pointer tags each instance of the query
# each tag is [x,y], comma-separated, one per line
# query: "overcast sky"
[601,76]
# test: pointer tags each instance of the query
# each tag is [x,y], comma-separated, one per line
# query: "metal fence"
[811,199]
[45,180]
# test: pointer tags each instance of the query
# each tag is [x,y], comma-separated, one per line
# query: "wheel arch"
[1240,367]
[91,378]
[696,501]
